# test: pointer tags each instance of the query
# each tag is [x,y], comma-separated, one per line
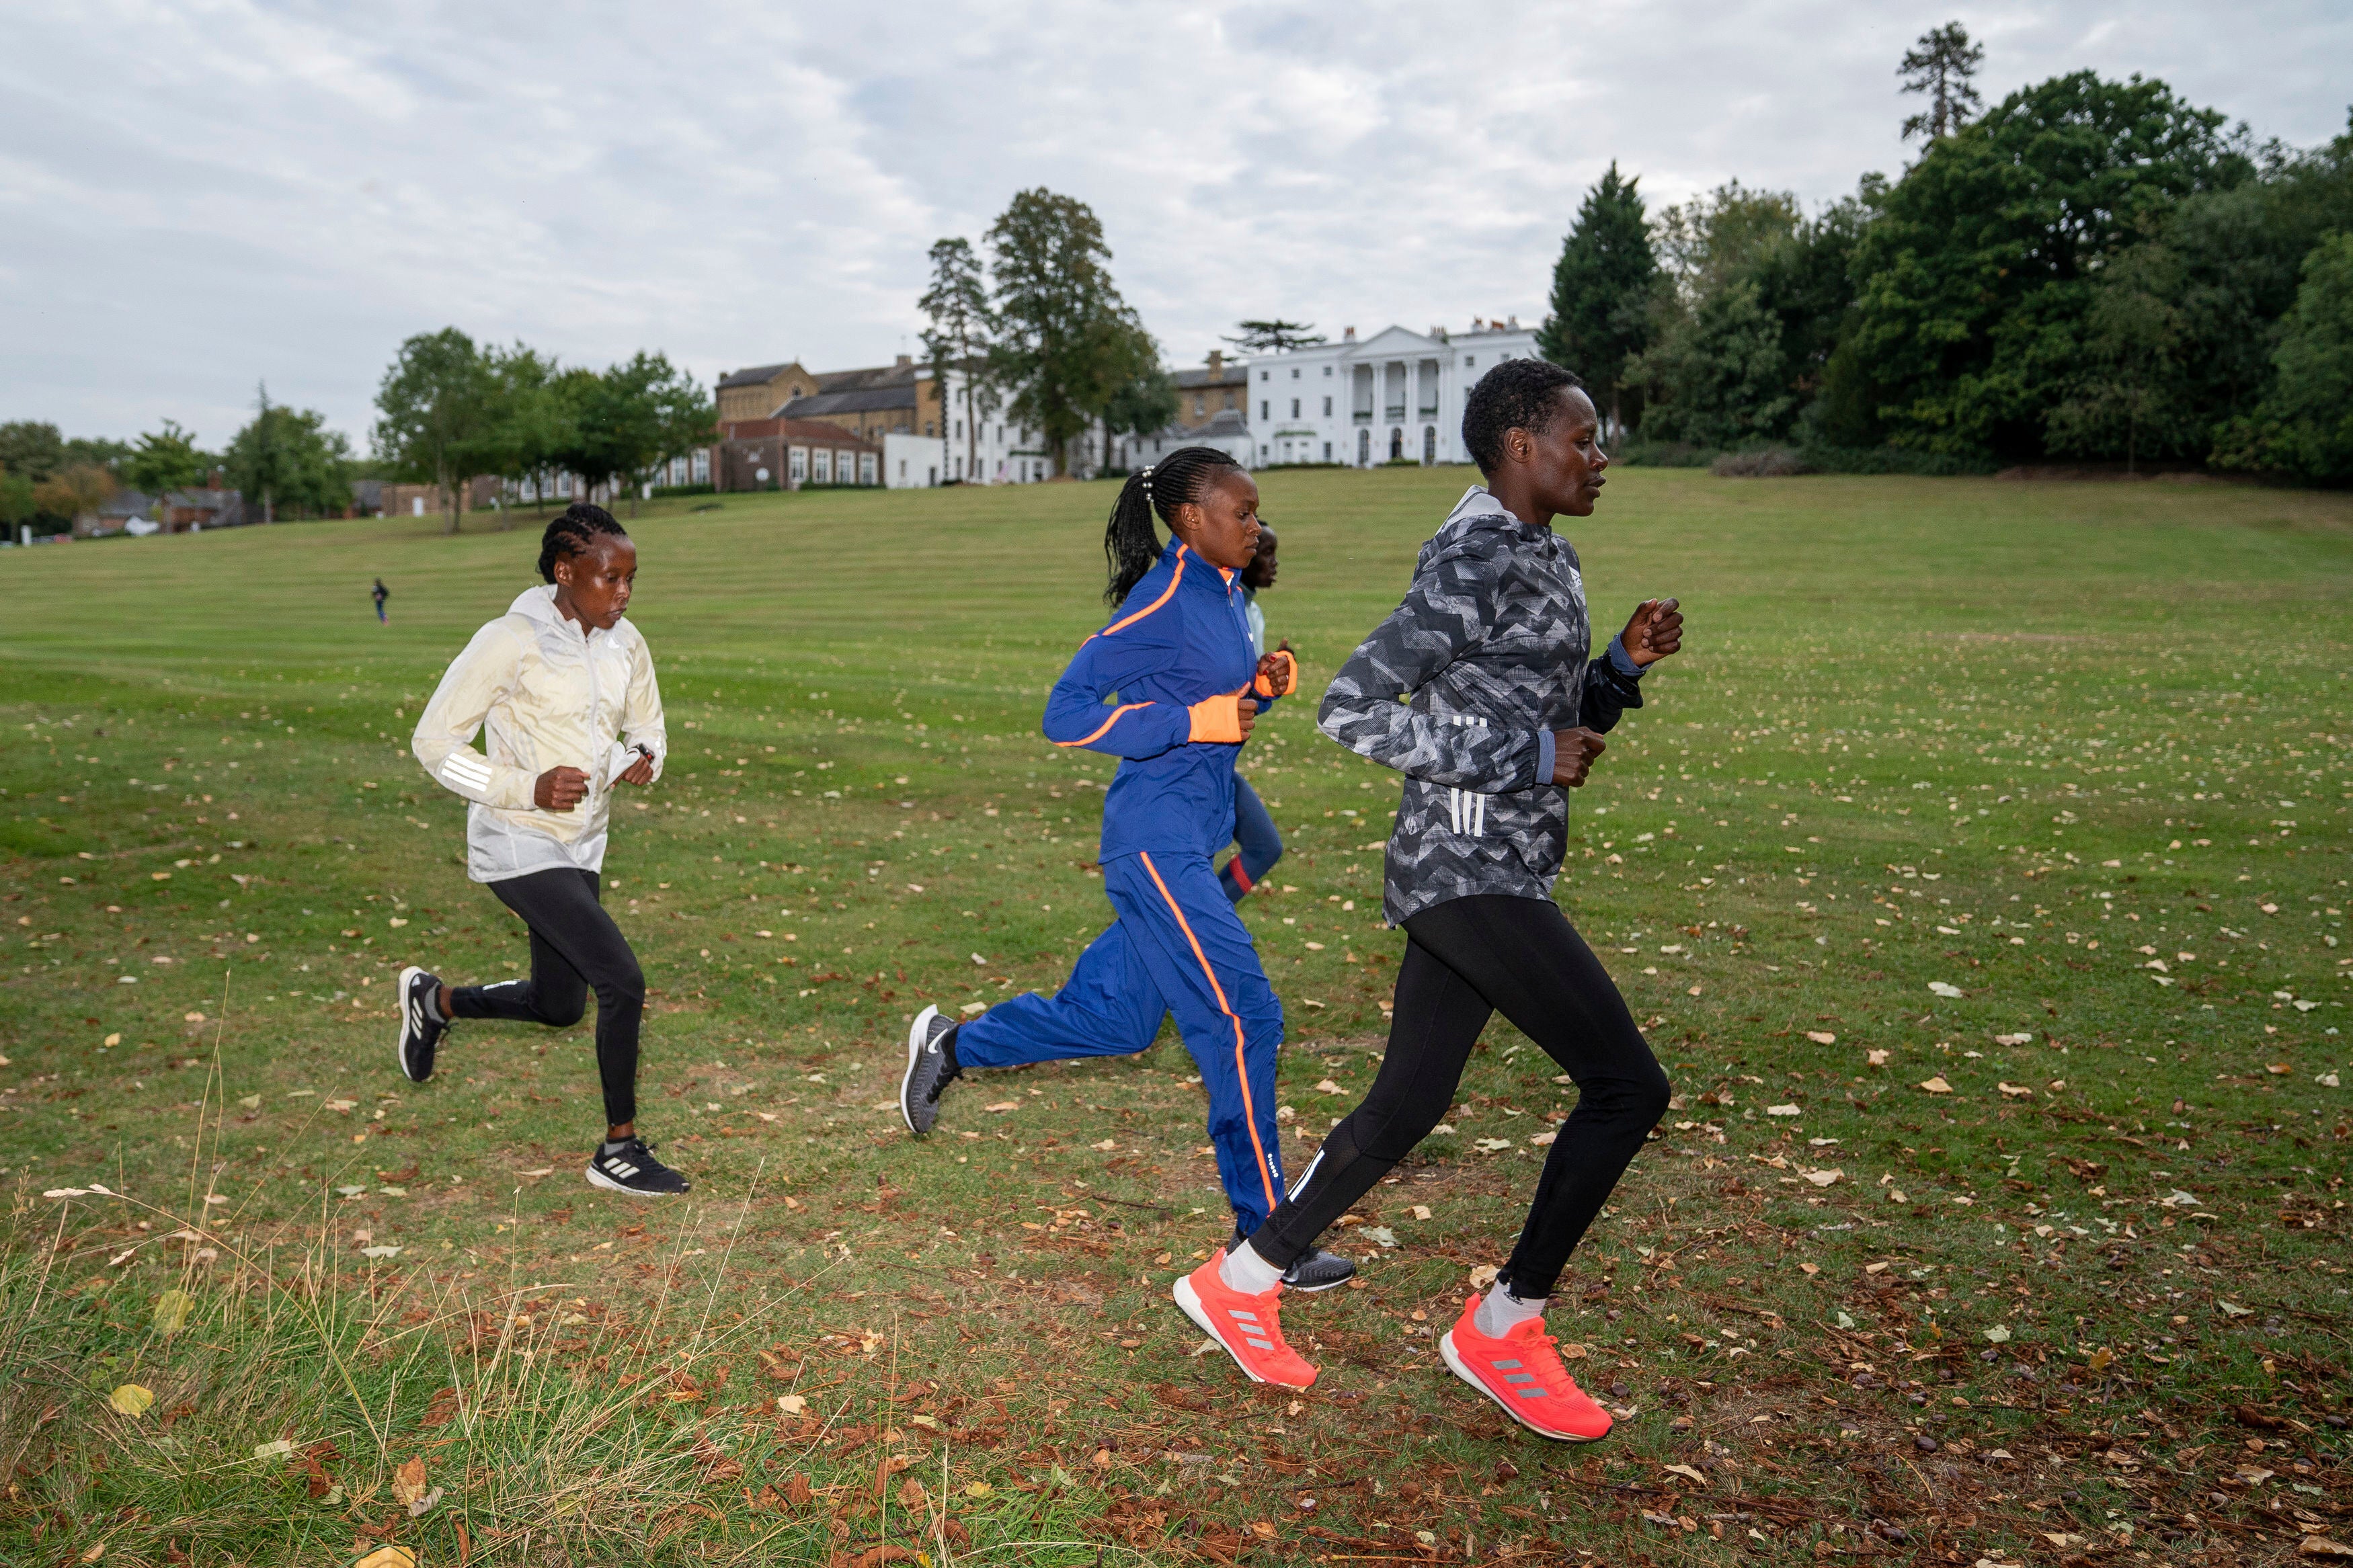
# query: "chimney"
[906,360]
[1348,334]
[1515,323]
[1216,364]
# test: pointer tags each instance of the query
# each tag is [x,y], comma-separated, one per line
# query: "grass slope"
[2034,792]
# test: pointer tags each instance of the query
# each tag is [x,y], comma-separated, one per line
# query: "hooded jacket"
[545,694]
[1461,690]
[1178,641]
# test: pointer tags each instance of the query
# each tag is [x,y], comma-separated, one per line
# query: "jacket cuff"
[1621,661]
[1545,748]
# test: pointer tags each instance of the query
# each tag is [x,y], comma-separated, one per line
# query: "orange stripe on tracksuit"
[1241,1070]
[1177,947]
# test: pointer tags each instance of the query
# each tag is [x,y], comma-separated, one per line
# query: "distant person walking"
[380,595]
[564,689]
[1256,843]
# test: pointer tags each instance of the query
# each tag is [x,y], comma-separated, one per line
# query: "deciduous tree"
[436,414]
[1978,272]
[166,459]
[1066,343]
[2303,426]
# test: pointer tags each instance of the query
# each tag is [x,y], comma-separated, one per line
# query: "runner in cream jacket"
[545,695]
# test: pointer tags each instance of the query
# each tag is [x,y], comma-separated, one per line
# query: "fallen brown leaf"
[409,1481]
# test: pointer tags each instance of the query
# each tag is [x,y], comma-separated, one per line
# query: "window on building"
[1327,451]
[1429,444]
[1200,407]
[1396,443]
[1328,408]
[1327,371]
[1266,375]
[1265,409]
[1262,452]
[701,467]
[799,469]
[1294,408]
[866,468]
[1295,373]
[1363,448]
[1469,361]
[1229,400]
[823,471]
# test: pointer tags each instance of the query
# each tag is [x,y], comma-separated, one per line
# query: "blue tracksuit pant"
[1177,947]
[1257,845]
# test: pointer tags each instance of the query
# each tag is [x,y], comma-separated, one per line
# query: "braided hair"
[574,533]
[1130,545]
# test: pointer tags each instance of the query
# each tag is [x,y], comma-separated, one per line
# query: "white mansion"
[1394,396]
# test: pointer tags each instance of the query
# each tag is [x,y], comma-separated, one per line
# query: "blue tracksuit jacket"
[1177,945]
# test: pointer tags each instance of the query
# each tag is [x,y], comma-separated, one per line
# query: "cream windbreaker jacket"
[547,696]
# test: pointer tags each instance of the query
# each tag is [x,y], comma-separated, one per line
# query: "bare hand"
[1573,751]
[1655,631]
[640,771]
[1246,711]
[560,789]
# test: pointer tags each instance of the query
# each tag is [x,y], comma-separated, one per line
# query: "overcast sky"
[196,197]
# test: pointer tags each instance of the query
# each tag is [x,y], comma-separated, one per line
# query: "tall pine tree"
[1603,291]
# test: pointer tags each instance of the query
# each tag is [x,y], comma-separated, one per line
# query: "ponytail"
[1131,547]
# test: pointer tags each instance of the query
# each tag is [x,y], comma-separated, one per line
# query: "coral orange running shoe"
[1248,1327]
[1521,1371]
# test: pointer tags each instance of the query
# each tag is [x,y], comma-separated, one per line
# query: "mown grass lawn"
[2032,794]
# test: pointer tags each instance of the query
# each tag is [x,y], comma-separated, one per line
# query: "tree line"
[449,411]
[285,461]
[2091,270]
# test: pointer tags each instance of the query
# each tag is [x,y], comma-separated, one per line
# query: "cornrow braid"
[1130,545]
[574,533]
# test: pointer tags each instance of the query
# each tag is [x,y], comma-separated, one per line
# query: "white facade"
[911,462]
[1396,395]
[999,450]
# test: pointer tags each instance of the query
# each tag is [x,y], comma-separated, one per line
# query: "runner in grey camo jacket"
[1461,689]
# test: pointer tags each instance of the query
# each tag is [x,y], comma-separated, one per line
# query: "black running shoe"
[632,1169]
[1316,1270]
[420,1030]
[931,1067]
[1319,1270]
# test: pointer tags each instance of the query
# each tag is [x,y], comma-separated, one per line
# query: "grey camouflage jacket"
[1461,689]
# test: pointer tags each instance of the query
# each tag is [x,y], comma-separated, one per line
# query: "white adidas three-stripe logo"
[1468,807]
[620,1168]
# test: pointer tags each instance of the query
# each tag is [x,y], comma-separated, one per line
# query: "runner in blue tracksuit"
[1171,686]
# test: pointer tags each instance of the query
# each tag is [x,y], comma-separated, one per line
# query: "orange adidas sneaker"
[1248,1327]
[1523,1373]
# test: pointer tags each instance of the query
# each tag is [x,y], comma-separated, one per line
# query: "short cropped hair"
[1517,394]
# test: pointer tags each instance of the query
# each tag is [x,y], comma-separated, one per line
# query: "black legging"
[575,946]
[1466,960]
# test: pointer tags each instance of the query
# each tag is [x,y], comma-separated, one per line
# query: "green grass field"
[2032,794]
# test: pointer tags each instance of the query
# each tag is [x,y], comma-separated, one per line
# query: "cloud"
[196,197]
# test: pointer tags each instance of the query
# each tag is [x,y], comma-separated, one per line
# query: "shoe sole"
[400,1034]
[915,1033]
[1316,1289]
[597,1178]
[1190,1299]
[1455,1364]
